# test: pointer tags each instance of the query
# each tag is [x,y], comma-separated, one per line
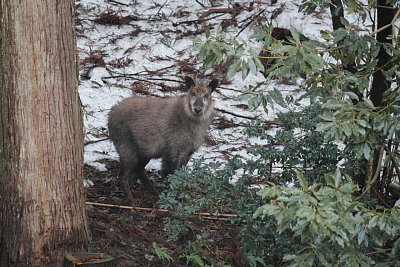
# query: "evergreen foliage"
[329,203]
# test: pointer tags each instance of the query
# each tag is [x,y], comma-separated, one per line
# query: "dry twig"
[236,115]
[205,215]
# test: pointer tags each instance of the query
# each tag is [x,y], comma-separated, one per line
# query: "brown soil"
[128,235]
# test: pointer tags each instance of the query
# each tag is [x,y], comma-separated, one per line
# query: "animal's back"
[141,122]
[154,127]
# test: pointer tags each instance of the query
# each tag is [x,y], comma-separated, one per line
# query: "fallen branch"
[197,21]
[148,80]
[205,215]
[235,10]
[200,3]
[253,18]
[118,3]
[96,141]
[159,10]
[116,74]
[236,115]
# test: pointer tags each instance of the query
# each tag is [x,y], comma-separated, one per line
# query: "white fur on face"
[200,102]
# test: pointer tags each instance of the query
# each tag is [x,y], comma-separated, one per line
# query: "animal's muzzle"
[197,110]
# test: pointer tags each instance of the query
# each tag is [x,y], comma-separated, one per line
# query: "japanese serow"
[173,128]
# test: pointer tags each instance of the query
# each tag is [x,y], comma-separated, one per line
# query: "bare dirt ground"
[128,235]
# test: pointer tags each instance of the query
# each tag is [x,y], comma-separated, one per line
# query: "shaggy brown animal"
[143,128]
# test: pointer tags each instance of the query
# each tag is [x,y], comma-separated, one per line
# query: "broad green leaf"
[361,131]
[278,98]
[347,129]
[391,130]
[245,70]
[369,102]
[326,118]
[344,21]
[367,151]
[207,33]
[283,49]
[243,97]
[252,65]
[259,65]
[362,123]
[317,59]
[303,182]
[337,177]
[331,104]
[379,124]
[339,35]
[295,34]
[233,69]
[329,180]
[352,96]
[323,126]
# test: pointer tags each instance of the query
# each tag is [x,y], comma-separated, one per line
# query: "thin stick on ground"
[237,115]
[205,215]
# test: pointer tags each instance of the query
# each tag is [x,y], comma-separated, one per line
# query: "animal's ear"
[213,84]
[189,82]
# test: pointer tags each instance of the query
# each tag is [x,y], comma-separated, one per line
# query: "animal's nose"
[197,110]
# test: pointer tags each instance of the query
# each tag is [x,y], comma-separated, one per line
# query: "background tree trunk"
[385,15]
[41,134]
[337,12]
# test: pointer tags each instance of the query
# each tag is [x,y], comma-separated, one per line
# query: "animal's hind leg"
[125,172]
[141,173]
[127,164]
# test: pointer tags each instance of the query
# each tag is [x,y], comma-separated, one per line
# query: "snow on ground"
[128,46]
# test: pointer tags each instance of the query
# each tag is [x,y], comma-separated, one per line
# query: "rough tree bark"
[385,15]
[42,208]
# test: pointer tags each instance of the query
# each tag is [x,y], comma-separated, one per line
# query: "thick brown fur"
[143,128]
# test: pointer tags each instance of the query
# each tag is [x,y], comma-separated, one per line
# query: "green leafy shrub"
[195,257]
[308,214]
[204,189]
[220,48]
[162,253]
[210,188]
[334,229]
[296,146]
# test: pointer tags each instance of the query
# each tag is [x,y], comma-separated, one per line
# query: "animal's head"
[199,96]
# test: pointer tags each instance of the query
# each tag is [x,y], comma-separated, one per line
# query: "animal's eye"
[193,95]
[206,96]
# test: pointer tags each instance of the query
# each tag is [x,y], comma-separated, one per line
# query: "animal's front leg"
[183,159]
[169,165]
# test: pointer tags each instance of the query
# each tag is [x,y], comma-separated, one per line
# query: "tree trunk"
[337,12]
[385,14]
[41,135]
